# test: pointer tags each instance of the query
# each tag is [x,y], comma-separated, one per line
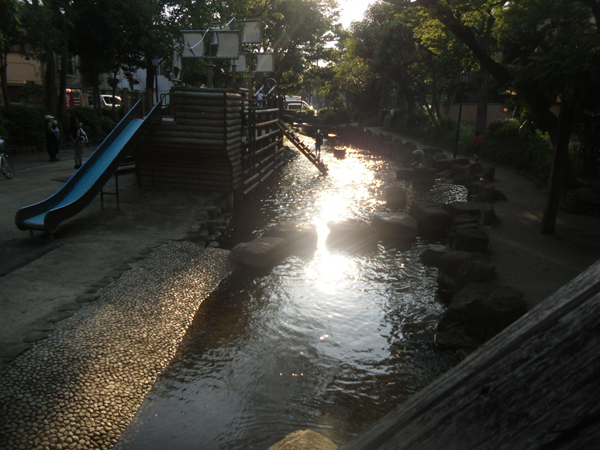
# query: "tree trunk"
[51,84]
[96,94]
[64,59]
[559,166]
[3,76]
[482,99]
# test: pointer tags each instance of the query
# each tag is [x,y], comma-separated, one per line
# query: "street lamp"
[463,78]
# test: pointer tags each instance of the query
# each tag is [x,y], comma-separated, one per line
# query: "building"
[25,79]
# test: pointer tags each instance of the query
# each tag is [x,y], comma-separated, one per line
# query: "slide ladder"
[300,146]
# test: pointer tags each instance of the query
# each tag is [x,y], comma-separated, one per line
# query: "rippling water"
[329,341]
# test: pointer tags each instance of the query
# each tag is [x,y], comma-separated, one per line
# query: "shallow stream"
[329,341]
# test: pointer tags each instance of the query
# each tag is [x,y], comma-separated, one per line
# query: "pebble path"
[80,387]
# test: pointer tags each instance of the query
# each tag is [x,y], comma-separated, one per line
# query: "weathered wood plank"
[177,134]
[182,99]
[196,128]
[207,122]
[205,116]
[267,135]
[205,109]
[194,92]
[536,384]
[267,123]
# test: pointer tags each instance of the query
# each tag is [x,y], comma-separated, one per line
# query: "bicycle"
[6,165]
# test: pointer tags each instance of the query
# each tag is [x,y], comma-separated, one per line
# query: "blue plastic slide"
[85,184]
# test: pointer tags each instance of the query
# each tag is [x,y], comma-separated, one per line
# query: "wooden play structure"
[214,139]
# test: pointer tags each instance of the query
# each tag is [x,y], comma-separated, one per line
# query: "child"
[318,143]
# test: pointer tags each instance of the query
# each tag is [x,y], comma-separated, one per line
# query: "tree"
[44,36]
[555,52]
[528,27]
[9,33]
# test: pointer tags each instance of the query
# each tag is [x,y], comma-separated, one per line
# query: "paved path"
[97,317]
[90,244]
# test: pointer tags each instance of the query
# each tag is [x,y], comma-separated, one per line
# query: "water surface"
[328,340]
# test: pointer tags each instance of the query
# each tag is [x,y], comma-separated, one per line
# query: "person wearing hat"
[52,138]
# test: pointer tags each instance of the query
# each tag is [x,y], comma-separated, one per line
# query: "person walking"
[477,142]
[79,139]
[52,138]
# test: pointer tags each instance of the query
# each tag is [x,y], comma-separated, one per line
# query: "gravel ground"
[80,387]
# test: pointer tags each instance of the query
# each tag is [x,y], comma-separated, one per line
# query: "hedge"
[24,125]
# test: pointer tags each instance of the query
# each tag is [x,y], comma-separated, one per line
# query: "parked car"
[106,101]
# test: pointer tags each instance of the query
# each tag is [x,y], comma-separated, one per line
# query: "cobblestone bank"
[80,387]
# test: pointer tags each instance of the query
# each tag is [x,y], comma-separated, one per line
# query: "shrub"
[24,124]
[107,124]
[586,160]
[507,144]
[296,115]
[331,116]
[115,114]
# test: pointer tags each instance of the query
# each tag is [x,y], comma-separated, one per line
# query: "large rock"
[304,440]
[475,171]
[476,269]
[488,173]
[449,262]
[405,174]
[483,310]
[299,236]
[423,176]
[460,161]
[474,187]
[486,195]
[431,256]
[460,173]
[470,240]
[431,217]
[395,197]
[442,165]
[351,235]
[259,253]
[457,268]
[484,211]
[395,226]
[450,341]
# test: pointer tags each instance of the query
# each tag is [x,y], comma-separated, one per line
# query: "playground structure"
[91,177]
[213,139]
[206,143]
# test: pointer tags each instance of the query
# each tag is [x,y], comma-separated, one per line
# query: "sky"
[352,10]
